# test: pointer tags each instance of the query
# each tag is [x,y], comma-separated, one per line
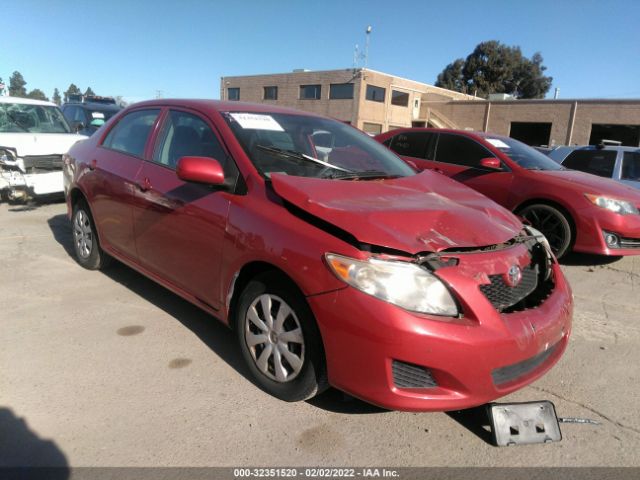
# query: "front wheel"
[553,224]
[279,339]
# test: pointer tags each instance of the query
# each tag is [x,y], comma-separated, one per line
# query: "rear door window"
[415,144]
[596,162]
[130,134]
[460,150]
[631,166]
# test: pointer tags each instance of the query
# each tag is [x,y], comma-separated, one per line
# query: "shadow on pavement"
[476,420]
[25,455]
[36,203]
[220,339]
[339,402]
[586,259]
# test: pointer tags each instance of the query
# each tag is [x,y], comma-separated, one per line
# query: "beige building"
[376,102]
[372,101]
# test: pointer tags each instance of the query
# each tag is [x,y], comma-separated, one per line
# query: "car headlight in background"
[614,205]
[404,284]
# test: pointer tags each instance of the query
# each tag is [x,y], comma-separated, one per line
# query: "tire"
[553,223]
[86,245]
[301,361]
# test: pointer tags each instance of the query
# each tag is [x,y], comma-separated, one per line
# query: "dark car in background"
[86,114]
[610,161]
[574,210]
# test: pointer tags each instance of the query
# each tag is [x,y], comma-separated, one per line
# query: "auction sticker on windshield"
[257,121]
[496,142]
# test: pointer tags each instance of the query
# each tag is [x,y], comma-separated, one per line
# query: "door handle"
[144,185]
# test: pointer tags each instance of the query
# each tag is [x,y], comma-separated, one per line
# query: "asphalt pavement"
[110,369]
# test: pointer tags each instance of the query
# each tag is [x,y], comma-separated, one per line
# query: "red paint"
[200,170]
[194,239]
[514,186]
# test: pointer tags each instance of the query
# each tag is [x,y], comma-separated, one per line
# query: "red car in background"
[335,264]
[574,210]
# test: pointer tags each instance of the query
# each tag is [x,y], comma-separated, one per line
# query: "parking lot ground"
[110,369]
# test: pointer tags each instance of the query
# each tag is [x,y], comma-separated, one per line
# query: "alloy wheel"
[552,225]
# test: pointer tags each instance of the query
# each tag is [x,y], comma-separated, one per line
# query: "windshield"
[309,146]
[19,117]
[524,155]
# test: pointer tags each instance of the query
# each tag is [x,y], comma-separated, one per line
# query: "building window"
[399,98]
[531,133]
[372,128]
[233,94]
[270,93]
[341,91]
[310,92]
[375,94]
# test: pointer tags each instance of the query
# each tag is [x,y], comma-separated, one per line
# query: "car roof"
[623,148]
[26,101]
[220,106]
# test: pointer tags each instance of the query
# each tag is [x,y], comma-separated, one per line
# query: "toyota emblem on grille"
[514,276]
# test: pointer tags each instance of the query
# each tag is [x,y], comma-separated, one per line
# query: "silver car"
[619,163]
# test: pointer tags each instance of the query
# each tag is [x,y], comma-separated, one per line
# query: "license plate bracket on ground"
[524,423]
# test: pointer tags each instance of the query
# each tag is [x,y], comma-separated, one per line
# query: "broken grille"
[42,163]
[503,296]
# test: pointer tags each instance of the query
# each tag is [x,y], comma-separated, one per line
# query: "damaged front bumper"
[32,176]
[402,360]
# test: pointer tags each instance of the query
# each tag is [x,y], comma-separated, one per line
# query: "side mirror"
[200,170]
[491,163]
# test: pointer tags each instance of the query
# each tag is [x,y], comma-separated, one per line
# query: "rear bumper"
[593,223]
[363,336]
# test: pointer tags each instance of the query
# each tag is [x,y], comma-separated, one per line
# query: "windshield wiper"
[16,122]
[299,156]
[367,174]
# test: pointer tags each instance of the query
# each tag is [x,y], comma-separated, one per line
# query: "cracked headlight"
[613,204]
[404,284]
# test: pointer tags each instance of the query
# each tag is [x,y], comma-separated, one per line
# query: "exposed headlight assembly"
[613,204]
[539,236]
[404,284]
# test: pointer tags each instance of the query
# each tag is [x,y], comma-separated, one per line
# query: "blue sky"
[134,48]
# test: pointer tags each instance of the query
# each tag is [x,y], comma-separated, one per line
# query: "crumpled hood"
[593,184]
[39,143]
[424,212]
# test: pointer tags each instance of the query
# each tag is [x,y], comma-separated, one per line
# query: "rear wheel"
[279,339]
[86,245]
[553,223]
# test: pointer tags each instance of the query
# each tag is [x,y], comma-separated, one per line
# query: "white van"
[33,137]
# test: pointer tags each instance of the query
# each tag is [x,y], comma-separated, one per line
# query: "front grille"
[502,296]
[407,375]
[42,163]
[629,242]
[513,372]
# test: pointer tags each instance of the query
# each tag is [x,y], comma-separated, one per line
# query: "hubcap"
[274,337]
[82,234]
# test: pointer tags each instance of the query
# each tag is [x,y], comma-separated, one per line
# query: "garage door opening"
[628,135]
[536,134]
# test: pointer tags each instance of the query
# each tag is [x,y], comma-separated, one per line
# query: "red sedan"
[574,210]
[335,264]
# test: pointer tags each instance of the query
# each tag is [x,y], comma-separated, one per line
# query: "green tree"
[37,94]
[72,90]
[493,67]
[89,92]
[17,85]
[56,97]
